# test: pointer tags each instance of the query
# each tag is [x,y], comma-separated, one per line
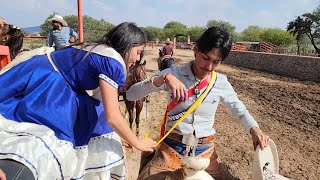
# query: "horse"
[164,61]
[136,74]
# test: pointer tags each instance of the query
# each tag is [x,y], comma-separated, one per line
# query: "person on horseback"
[194,136]
[165,59]
[48,121]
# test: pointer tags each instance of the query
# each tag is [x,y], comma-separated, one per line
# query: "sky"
[240,13]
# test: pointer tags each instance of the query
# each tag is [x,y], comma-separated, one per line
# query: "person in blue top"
[61,35]
[48,121]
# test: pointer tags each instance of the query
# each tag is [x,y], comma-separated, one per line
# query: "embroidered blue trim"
[99,167]
[108,80]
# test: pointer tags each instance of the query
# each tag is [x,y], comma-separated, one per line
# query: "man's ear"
[5,38]
[195,50]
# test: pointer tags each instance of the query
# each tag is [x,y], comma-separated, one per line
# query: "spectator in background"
[168,49]
[165,55]
[61,35]
[11,36]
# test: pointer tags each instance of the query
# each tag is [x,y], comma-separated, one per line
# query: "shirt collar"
[187,71]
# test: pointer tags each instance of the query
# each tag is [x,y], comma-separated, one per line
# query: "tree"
[172,28]
[252,33]
[231,28]
[277,36]
[196,32]
[298,28]
[308,24]
[153,33]
[93,29]
[311,27]
[227,25]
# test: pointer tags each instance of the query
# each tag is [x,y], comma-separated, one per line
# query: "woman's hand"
[258,137]
[146,144]
[178,89]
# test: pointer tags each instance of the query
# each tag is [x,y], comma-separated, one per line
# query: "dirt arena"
[288,110]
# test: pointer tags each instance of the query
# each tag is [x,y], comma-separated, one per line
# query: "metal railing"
[267,47]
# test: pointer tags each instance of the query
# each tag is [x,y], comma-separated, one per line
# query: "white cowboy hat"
[266,163]
[58,18]
[168,41]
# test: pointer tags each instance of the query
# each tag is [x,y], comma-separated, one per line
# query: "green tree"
[172,28]
[231,28]
[95,29]
[307,24]
[153,33]
[277,36]
[227,25]
[311,26]
[196,32]
[298,28]
[251,33]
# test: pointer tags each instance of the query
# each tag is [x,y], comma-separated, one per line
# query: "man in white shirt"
[211,49]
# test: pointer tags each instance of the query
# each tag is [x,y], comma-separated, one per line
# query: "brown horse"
[136,74]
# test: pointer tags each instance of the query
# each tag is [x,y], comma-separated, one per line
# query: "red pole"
[80,25]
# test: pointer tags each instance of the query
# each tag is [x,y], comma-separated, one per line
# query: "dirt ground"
[286,109]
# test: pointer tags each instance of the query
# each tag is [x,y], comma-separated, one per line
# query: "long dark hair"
[215,37]
[15,40]
[123,37]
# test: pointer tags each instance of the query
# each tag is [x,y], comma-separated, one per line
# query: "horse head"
[137,72]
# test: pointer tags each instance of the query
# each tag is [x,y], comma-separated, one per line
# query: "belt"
[204,140]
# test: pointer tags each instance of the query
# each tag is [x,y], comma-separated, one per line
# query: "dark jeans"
[181,148]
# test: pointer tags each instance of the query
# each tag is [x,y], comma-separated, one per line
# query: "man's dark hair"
[215,37]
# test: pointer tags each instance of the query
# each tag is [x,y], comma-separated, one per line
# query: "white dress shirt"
[201,121]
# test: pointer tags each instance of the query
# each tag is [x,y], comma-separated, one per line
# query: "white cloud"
[103,5]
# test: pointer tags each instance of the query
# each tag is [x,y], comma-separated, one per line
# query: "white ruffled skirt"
[48,158]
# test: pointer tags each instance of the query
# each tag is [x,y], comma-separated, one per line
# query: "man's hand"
[258,137]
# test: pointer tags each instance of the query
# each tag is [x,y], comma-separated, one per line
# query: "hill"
[35,29]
